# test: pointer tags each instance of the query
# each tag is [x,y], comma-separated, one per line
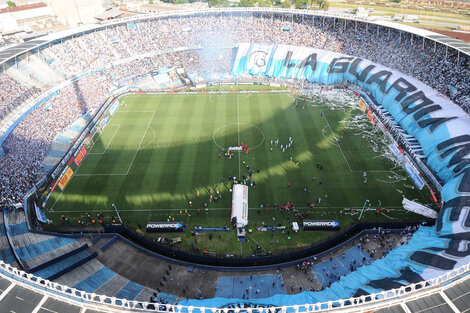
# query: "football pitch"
[158,160]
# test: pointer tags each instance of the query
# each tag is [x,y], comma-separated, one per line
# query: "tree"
[286,4]
[218,3]
[299,4]
[246,3]
[322,4]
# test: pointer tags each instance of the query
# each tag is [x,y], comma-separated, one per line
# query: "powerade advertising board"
[165,227]
[309,225]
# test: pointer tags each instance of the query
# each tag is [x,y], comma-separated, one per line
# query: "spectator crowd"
[202,45]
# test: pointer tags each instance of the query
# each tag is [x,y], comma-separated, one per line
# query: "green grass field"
[159,151]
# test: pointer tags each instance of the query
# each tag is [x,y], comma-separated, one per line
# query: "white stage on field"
[240,205]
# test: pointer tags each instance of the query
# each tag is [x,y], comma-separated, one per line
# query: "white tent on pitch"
[240,205]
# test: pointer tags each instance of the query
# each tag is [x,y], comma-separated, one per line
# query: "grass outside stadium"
[164,158]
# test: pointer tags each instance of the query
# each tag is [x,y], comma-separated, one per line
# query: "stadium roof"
[17,50]
[456,44]
[110,14]
[451,42]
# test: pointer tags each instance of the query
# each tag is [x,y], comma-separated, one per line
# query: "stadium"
[236,159]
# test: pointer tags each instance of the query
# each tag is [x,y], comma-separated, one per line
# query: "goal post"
[94,135]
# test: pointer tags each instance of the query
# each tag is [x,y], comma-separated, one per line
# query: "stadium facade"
[430,265]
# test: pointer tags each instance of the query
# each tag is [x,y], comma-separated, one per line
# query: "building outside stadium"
[391,96]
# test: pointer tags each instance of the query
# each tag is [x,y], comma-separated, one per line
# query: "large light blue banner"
[441,127]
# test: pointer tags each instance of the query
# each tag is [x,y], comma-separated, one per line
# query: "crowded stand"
[201,45]
[449,75]
[28,144]
[13,94]
[101,62]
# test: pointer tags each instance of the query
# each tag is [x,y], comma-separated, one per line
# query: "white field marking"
[346,160]
[98,174]
[61,192]
[134,112]
[238,118]
[239,172]
[115,132]
[76,171]
[108,125]
[151,141]
[225,125]
[251,238]
[130,165]
[99,135]
[326,138]
[94,142]
[329,126]
[375,171]
[238,125]
[140,143]
[214,209]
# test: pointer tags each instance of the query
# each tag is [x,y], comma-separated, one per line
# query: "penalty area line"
[109,143]
[140,143]
[132,162]
[151,141]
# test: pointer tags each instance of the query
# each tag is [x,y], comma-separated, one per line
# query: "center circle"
[230,135]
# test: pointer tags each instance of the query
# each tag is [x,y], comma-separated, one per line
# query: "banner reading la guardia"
[441,127]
